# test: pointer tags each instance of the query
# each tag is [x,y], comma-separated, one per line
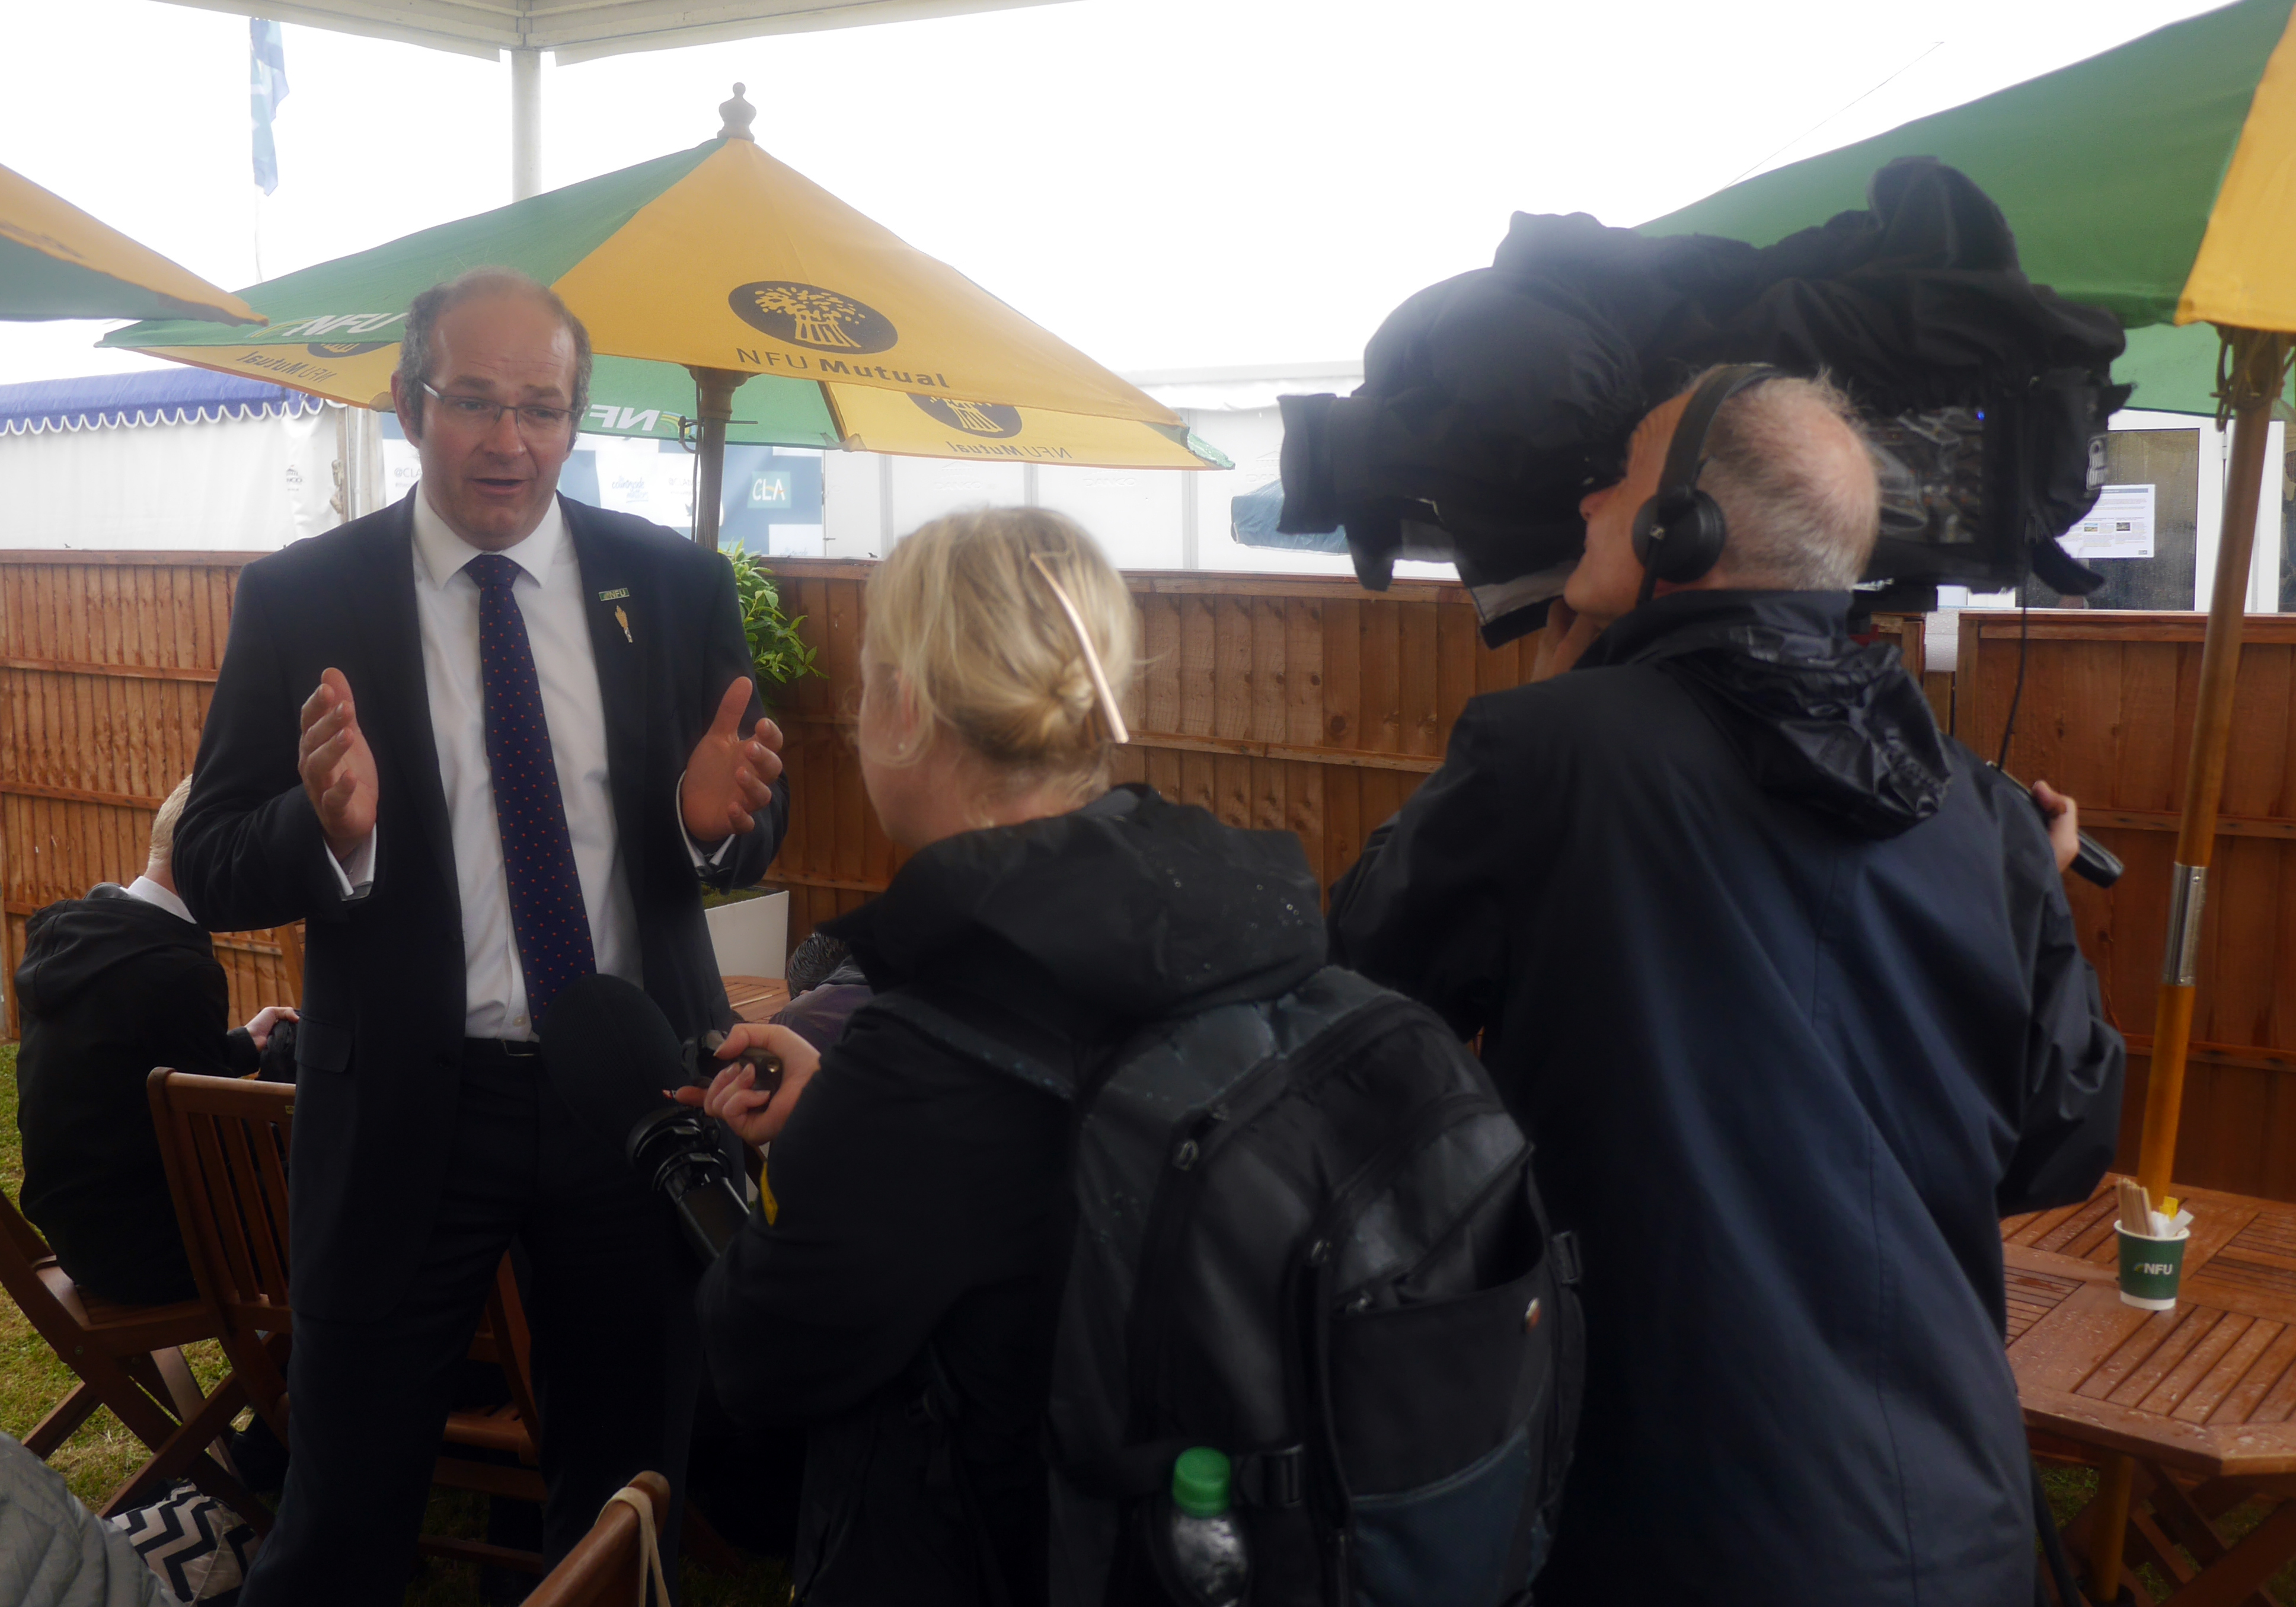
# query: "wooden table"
[756,998]
[2202,1395]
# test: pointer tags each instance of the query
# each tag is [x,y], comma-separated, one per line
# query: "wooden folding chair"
[608,1567]
[226,1141]
[127,1360]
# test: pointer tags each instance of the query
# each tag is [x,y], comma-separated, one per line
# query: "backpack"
[1306,1235]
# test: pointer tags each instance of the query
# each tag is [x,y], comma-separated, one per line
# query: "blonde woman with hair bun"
[920,1188]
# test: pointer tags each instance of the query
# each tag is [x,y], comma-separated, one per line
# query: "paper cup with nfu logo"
[2150,1268]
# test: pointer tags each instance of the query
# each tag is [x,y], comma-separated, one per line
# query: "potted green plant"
[750,928]
[779,652]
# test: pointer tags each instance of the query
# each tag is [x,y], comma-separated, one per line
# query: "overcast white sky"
[1166,183]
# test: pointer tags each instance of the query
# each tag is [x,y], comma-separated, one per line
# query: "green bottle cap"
[1200,1482]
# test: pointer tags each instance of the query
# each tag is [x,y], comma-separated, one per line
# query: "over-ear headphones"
[1679,533]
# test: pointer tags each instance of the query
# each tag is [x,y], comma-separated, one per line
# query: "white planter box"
[751,937]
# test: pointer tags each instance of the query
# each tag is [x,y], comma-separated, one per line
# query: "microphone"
[610,1051]
[2093,862]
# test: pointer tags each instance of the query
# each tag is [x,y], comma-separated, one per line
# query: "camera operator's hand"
[2064,822]
[733,1096]
[1567,635]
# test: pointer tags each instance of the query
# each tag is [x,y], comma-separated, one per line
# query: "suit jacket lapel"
[396,710]
[622,624]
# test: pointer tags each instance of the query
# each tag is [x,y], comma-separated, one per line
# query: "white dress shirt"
[548,591]
[152,893]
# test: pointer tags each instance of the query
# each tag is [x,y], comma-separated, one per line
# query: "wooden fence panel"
[107,661]
[1284,702]
[2106,714]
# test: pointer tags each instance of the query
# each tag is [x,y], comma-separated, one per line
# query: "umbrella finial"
[739,114]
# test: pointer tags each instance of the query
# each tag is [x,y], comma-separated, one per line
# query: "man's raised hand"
[730,777]
[337,766]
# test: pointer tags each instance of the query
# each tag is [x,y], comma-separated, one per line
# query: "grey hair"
[1791,466]
[424,313]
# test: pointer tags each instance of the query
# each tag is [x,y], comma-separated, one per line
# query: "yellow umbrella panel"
[2244,274]
[723,262]
[745,264]
[921,425]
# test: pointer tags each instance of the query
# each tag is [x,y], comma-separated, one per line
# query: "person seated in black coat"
[112,986]
[1785,986]
[920,1236]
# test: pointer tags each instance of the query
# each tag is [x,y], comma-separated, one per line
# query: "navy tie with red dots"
[546,910]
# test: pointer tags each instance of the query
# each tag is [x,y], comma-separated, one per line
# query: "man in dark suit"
[485,742]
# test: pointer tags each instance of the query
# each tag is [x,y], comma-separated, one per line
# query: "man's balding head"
[1788,462]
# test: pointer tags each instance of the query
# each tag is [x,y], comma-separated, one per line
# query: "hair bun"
[969,611]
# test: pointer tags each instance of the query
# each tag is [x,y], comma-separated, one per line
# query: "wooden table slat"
[756,998]
[2199,1363]
[2238,1381]
[2274,1407]
[2080,1222]
[2134,1353]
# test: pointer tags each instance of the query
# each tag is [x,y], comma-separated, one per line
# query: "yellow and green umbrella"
[2157,180]
[721,264]
[58,263]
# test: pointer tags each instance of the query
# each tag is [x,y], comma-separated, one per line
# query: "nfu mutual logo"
[992,419]
[807,316]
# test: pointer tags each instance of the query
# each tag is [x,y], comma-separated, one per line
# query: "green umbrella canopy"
[2110,171]
[58,263]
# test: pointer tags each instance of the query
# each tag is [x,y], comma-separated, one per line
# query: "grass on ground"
[94,1460]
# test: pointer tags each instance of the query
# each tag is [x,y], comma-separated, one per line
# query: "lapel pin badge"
[623,619]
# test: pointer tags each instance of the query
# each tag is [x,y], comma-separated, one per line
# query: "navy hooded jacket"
[1785,986]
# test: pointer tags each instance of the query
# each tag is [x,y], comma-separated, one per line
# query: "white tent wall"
[223,485]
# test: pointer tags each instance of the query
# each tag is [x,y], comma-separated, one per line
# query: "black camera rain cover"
[1492,402]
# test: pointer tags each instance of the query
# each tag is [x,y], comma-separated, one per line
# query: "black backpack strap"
[1001,1040]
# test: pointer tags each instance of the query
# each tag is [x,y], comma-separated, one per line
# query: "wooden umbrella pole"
[2251,379]
[715,407]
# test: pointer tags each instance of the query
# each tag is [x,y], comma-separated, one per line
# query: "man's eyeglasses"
[479,414]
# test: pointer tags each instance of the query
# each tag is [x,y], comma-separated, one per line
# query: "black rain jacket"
[110,987]
[1785,987]
[913,1271]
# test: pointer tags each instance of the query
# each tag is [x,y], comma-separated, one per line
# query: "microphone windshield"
[610,1052]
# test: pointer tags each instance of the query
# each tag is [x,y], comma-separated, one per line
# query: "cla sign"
[806,315]
[993,419]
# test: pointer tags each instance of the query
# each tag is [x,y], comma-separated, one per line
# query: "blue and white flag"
[267,87]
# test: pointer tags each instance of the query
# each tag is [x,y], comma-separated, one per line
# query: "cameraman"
[1785,986]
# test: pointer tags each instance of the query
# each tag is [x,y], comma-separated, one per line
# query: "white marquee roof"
[582,30]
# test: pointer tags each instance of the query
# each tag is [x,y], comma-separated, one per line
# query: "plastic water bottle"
[1207,1542]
